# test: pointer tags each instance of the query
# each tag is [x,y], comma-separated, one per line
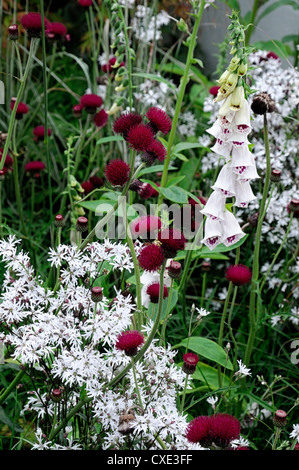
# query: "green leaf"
[111,138]
[6,420]
[154,169]
[276,5]
[209,374]
[207,348]
[185,146]
[174,194]
[175,180]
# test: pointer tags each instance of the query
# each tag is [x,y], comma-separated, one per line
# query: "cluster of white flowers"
[146,26]
[69,339]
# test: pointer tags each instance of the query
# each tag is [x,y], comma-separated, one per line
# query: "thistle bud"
[57,395]
[189,364]
[96,294]
[206,266]
[2,175]
[174,269]
[59,221]
[82,224]
[280,418]
[13,32]
[275,175]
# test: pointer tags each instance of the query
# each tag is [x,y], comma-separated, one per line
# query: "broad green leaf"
[174,194]
[207,348]
[275,5]
[206,373]
[154,169]
[174,181]
[111,138]
[185,146]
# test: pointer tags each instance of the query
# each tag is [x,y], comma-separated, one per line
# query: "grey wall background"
[281,22]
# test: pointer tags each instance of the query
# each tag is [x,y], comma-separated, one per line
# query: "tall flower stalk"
[192,40]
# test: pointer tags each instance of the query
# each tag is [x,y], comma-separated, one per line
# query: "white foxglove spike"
[222,148]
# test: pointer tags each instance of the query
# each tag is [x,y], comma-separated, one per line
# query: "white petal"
[213,233]
[225,181]
[214,208]
[244,194]
[232,231]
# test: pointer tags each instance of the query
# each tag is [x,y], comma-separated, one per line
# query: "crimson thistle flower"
[117,172]
[146,226]
[140,137]
[153,291]
[151,257]
[21,109]
[90,102]
[158,120]
[32,23]
[238,274]
[129,342]
[39,133]
[125,122]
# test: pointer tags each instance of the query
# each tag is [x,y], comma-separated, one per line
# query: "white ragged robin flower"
[243,370]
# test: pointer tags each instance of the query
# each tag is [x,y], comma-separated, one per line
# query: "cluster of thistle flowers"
[231,130]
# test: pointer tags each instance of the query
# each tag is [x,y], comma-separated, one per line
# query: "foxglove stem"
[184,82]
[256,253]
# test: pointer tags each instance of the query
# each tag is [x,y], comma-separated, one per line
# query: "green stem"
[12,385]
[128,53]
[23,81]
[254,11]
[46,137]
[162,338]
[183,85]
[256,253]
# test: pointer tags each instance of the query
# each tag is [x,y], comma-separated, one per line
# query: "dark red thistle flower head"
[223,429]
[129,342]
[146,227]
[57,30]
[125,122]
[96,181]
[151,257]
[189,363]
[77,110]
[198,429]
[145,191]
[156,150]
[214,90]
[238,274]
[91,102]
[153,292]
[140,137]
[158,120]
[21,109]
[32,23]
[117,172]
[87,186]
[100,118]
[35,166]
[85,3]
[39,132]
[172,241]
